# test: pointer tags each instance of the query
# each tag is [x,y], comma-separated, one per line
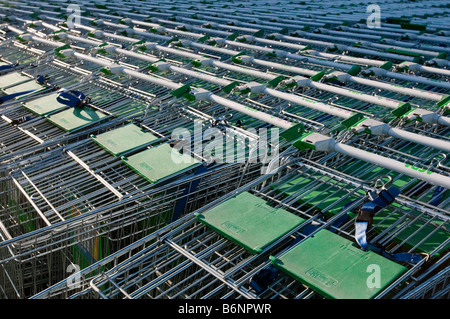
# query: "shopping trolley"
[336,161]
[103,173]
[212,256]
[94,184]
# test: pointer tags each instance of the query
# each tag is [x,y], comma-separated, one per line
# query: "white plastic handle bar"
[422,174]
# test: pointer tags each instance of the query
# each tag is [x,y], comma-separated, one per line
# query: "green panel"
[395,20]
[353,120]
[354,70]
[316,77]
[444,101]
[387,65]
[414,26]
[26,86]
[75,118]
[334,267]
[250,221]
[159,162]
[181,91]
[12,79]
[402,109]
[227,89]
[293,132]
[274,82]
[124,139]
[44,105]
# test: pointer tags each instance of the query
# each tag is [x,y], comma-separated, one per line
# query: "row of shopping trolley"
[243,150]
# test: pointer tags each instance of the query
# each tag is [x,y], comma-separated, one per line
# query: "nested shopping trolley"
[344,109]
[32,96]
[114,142]
[55,118]
[138,35]
[101,171]
[81,202]
[367,169]
[320,226]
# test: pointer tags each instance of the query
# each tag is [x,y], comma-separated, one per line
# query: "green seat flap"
[335,268]
[250,221]
[159,162]
[13,78]
[124,139]
[44,105]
